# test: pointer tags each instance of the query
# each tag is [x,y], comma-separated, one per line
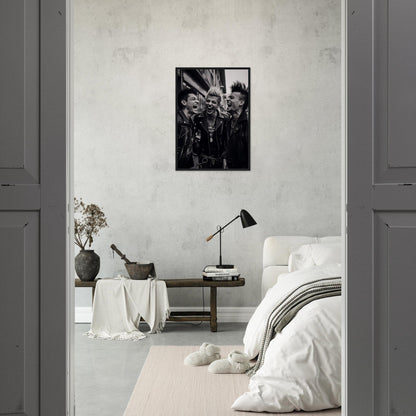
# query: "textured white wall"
[125,54]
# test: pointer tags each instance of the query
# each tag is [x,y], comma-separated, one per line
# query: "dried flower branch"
[88,221]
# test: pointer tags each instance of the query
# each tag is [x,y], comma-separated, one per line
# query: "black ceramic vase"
[87,265]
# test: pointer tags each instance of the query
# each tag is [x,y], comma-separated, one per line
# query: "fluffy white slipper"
[236,363]
[206,355]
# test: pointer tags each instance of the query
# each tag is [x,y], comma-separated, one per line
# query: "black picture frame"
[212,130]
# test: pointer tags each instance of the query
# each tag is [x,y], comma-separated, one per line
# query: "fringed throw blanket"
[120,303]
[285,310]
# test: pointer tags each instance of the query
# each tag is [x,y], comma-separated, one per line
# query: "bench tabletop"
[181,283]
[203,283]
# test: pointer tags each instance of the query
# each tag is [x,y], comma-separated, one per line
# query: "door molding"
[358,376]
[54,208]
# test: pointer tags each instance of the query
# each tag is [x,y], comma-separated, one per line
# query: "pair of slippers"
[236,363]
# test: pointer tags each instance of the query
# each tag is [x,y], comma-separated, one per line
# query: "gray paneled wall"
[33,208]
[19,76]
[394,354]
[394,229]
[19,300]
[20,369]
[125,54]
[381,197]
[401,74]
[394,101]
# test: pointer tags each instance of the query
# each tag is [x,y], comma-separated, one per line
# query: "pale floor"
[106,371]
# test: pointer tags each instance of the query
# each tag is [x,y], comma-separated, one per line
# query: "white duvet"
[302,365]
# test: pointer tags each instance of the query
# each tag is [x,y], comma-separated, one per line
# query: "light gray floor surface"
[106,371]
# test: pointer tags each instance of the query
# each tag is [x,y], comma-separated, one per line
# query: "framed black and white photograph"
[212,118]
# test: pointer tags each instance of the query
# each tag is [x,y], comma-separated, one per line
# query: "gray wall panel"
[19,289]
[390,197]
[401,324]
[402,75]
[12,44]
[394,99]
[11,305]
[19,98]
[20,198]
[394,311]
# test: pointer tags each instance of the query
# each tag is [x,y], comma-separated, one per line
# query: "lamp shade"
[246,219]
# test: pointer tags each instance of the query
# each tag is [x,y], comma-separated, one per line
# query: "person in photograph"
[237,150]
[223,107]
[188,106]
[211,132]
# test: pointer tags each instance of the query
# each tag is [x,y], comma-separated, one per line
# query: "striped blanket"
[285,310]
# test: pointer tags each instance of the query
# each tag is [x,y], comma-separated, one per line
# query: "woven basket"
[138,271]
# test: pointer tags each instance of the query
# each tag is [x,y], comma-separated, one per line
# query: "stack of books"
[218,273]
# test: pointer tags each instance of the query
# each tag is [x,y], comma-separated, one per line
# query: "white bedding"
[302,366]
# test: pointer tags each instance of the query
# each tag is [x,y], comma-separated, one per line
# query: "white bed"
[301,365]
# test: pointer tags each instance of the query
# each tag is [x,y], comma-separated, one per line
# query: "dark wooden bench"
[210,315]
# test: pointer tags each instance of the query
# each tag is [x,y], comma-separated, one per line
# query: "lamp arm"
[221,228]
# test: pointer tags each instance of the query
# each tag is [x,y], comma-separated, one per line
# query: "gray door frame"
[343,202]
[55,215]
[70,258]
[358,312]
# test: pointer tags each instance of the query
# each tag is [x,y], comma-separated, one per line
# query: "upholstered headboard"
[276,253]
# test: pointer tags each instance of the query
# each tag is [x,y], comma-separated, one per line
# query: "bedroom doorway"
[124,61]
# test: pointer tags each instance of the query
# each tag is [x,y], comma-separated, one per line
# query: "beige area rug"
[167,387]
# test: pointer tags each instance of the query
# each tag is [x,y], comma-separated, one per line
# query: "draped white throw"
[119,303]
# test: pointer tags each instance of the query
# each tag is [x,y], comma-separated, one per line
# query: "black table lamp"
[246,221]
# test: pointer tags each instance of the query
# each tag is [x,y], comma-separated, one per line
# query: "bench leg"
[213,298]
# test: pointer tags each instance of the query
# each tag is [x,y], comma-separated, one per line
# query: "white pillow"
[301,258]
[310,255]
